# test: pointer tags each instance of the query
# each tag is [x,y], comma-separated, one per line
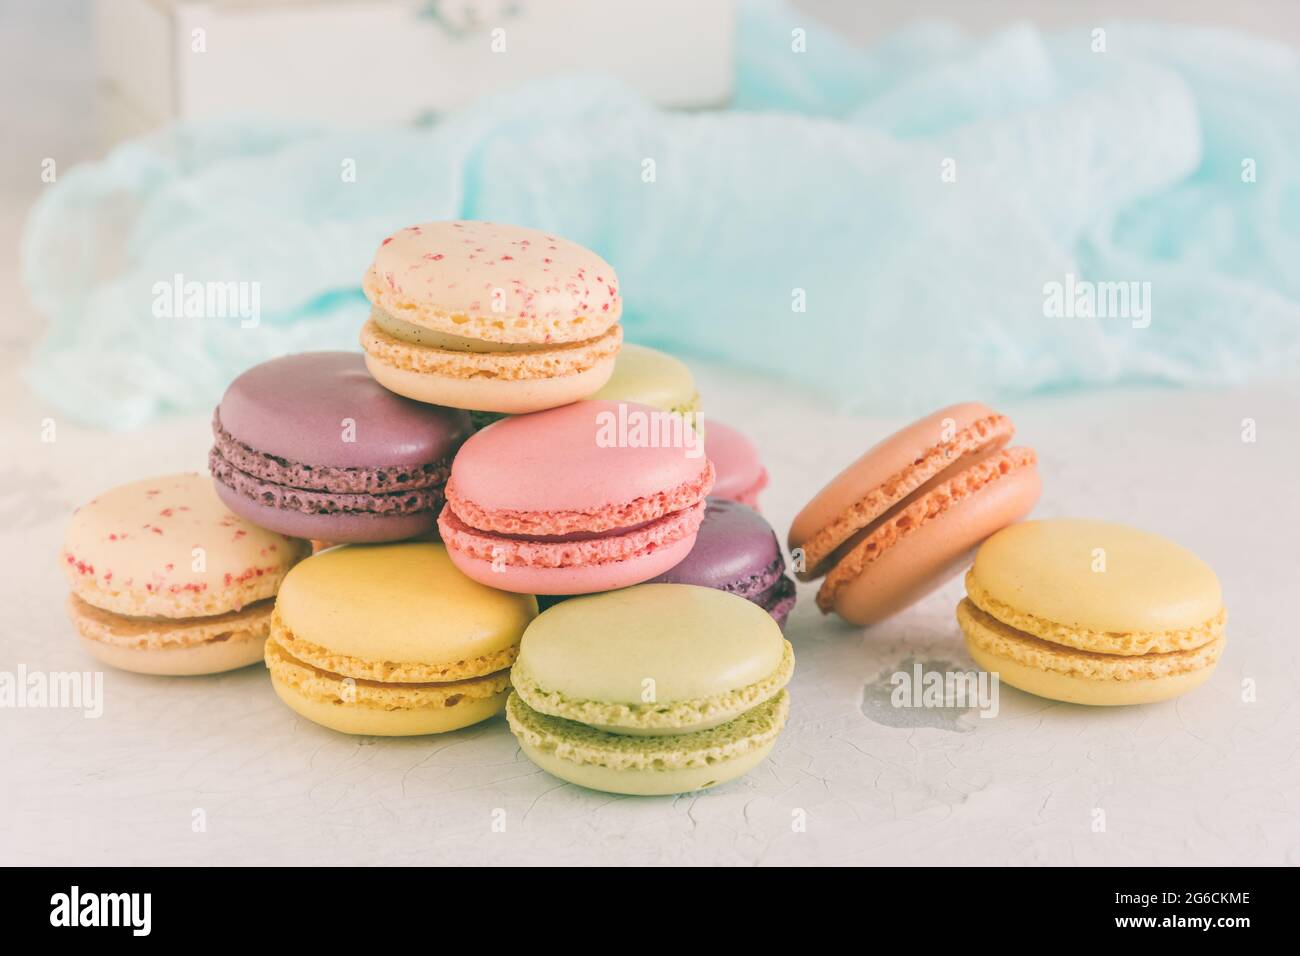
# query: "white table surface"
[1204,779]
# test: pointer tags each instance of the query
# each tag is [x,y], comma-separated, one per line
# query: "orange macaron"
[905,517]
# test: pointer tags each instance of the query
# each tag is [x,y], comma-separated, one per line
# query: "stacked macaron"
[740,472]
[166,580]
[650,377]
[737,551]
[310,445]
[477,315]
[583,498]
[654,689]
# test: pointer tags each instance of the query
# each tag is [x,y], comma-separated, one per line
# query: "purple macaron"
[736,550]
[311,446]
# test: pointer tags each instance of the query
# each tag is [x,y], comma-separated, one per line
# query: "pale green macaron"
[653,689]
[654,378]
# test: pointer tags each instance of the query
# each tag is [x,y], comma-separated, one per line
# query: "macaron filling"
[1121,643]
[986,632]
[320,685]
[578,743]
[659,718]
[274,469]
[400,672]
[164,633]
[446,341]
[413,351]
[573,550]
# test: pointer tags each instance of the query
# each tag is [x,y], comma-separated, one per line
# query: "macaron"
[650,377]
[391,640]
[1092,613]
[740,472]
[737,551]
[583,498]
[166,580]
[654,689]
[311,446]
[490,317]
[905,517]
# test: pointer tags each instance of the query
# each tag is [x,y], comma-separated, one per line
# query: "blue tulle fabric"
[880,225]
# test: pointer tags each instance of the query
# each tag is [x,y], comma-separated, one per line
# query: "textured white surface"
[1205,779]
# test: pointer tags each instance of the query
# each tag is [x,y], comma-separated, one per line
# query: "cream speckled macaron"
[653,689]
[167,580]
[490,317]
[1092,613]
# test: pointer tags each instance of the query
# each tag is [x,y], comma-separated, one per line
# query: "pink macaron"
[740,472]
[586,497]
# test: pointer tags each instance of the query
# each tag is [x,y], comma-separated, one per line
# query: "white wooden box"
[365,62]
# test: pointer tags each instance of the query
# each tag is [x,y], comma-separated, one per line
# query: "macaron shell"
[338,527]
[887,473]
[487,394]
[1047,569]
[169,547]
[495,282]
[576,579]
[647,783]
[737,551]
[650,377]
[399,602]
[740,472]
[579,458]
[935,550]
[324,409]
[692,642]
[734,547]
[202,659]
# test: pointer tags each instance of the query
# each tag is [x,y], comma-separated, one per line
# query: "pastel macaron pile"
[492,442]
[495,443]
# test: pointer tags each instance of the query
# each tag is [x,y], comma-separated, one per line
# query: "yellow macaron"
[1090,612]
[393,640]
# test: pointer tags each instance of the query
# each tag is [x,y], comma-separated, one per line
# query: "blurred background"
[867,200]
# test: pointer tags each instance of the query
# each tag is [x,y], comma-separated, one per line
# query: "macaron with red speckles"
[490,317]
[167,580]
